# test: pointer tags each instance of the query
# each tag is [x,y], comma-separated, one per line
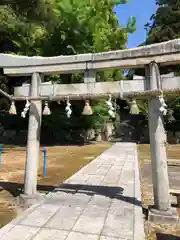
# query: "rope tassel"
[68,108]
[111,110]
[87,110]
[134,109]
[46,110]
[23,114]
[163,107]
[12,109]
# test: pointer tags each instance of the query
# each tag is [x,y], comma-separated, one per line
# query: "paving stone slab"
[24,214]
[72,200]
[51,234]
[100,201]
[138,214]
[65,218]
[6,229]
[91,220]
[94,180]
[118,226]
[111,238]
[89,225]
[39,217]
[20,232]
[81,236]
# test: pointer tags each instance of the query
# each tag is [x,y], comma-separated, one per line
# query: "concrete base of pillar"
[28,200]
[163,217]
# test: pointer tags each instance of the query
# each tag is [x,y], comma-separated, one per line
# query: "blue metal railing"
[1,148]
[44,160]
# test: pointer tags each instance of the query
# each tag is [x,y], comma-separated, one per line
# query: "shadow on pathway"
[15,189]
[108,191]
[91,190]
[163,236]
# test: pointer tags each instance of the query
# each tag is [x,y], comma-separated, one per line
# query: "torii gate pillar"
[33,144]
[161,211]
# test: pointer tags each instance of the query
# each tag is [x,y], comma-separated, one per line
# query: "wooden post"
[161,209]
[33,141]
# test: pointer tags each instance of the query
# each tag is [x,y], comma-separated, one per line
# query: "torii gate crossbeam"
[163,53]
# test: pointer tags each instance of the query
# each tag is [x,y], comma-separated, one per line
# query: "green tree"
[22,25]
[164,24]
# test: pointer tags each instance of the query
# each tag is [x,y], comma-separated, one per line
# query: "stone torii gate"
[151,87]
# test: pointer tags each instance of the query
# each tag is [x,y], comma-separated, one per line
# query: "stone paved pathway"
[100,202]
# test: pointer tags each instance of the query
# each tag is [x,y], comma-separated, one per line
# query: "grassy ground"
[62,162]
[159,232]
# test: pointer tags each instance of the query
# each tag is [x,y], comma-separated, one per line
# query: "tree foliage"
[53,27]
[164,24]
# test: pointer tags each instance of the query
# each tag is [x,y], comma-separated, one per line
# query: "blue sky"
[142,10]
